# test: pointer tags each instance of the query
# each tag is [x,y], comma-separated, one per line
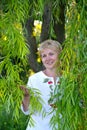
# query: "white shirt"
[37,81]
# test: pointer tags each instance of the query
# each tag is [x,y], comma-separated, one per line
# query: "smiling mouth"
[49,63]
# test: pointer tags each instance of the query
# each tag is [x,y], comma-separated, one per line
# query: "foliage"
[13,61]
[71,111]
[71,97]
[13,51]
[9,123]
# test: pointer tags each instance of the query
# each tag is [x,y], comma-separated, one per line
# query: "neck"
[50,72]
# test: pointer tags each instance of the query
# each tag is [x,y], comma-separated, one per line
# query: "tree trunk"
[59,27]
[46,22]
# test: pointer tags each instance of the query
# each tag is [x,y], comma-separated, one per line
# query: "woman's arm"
[26,99]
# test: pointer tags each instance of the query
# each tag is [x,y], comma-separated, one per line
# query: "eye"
[51,54]
[43,55]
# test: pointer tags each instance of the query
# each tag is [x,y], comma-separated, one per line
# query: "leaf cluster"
[71,97]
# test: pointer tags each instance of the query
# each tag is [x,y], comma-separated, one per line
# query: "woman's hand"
[25,91]
[26,99]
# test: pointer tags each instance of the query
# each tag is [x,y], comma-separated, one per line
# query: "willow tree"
[64,21]
[13,51]
[16,39]
[13,59]
[71,94]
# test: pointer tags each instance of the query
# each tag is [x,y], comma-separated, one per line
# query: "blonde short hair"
[50,44]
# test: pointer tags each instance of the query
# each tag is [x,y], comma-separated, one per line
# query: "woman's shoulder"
[36,75]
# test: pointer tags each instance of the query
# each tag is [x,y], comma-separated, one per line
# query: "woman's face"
[49,58]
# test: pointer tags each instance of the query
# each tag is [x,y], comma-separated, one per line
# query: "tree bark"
[46,22]
[59,27]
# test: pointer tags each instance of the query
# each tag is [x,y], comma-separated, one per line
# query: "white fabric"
[37,81]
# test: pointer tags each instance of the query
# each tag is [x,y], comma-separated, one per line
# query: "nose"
[47,57]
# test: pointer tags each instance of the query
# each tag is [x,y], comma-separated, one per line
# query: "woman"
[49,51]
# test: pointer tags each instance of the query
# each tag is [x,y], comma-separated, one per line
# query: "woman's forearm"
[25,102]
